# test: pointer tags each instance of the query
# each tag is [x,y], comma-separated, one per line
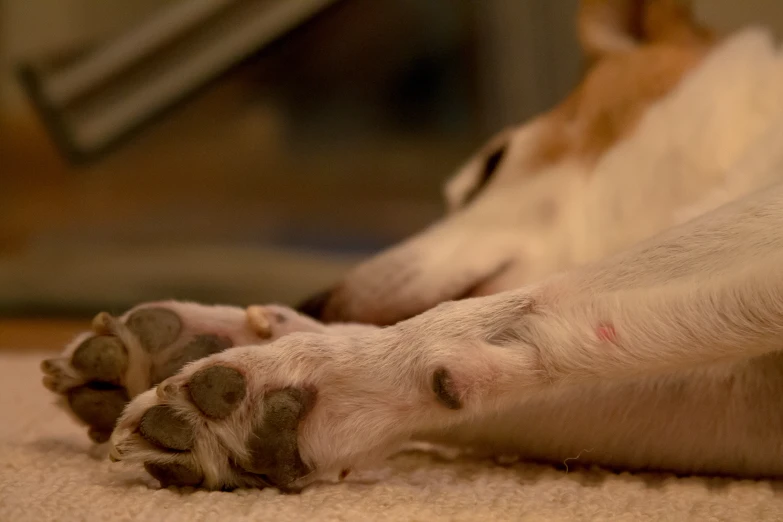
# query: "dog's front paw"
[99,371]
[308,406]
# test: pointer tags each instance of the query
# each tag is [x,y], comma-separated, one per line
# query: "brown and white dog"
[613,308]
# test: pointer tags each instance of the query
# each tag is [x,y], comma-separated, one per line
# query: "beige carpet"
[48,472]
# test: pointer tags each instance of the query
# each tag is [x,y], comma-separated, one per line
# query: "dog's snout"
[315,305]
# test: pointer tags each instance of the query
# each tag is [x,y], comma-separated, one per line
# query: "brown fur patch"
[620,86]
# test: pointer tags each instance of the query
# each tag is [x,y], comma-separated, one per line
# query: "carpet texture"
[48,471]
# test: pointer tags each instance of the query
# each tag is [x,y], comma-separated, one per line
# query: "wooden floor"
[38,334]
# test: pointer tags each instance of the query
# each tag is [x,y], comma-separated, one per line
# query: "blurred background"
[248,151]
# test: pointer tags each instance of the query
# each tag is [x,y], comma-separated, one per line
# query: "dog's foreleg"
[690,321]
[709,291]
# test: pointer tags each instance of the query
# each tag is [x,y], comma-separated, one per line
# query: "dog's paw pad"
[217,391]
[101,358]
[174,474]
[201,346]
[98,436]
[162,426]
[444,389]
[97,406]
[272,445]
[155,327]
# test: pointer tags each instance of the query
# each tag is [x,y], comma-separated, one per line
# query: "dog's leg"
[99,371]
[346,400]
[709,290]
[715,243]
[690,321]
[313,405]
[717,419]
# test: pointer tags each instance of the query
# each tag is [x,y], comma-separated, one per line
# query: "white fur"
[691,376]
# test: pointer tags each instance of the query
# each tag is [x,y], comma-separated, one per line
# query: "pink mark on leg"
[606,332]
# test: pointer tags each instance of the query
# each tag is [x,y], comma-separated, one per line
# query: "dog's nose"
[315,305]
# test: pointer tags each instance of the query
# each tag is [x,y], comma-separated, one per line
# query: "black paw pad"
[174,474]
[217,391]
[273,448]
[156,328]
[161,425]
[98,436]
[98,406]
[200,347]
[101,358]
[445,392]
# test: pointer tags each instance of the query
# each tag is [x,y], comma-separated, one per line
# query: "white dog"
[635,321]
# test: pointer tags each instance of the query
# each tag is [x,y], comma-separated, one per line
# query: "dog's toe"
[217,390]
[272,445]
[97,406]
[164,427]
[101,358]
